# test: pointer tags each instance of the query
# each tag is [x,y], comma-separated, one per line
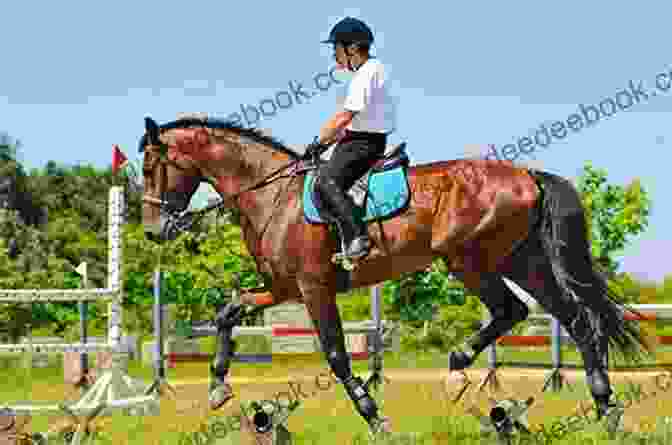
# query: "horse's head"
[179,155]
[171,177]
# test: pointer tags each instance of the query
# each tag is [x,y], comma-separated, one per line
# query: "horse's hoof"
[459,360]
[219,395]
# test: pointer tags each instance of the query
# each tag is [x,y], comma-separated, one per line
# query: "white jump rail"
[50,348]
[364,327]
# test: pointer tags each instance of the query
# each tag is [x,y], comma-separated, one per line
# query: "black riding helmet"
[350,30]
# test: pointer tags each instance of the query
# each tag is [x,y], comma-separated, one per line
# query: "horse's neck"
[257,206]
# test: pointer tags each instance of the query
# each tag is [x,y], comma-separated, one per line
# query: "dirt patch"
[413,396]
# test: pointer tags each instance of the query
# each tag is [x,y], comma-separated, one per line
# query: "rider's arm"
[334,127]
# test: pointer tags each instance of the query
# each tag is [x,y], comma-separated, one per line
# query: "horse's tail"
[563,233]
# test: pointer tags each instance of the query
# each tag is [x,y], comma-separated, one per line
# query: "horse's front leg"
[324,313]
[220,391]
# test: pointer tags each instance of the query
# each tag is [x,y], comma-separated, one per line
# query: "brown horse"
[485,219]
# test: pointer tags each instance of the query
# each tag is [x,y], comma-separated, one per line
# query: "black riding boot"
[353,229]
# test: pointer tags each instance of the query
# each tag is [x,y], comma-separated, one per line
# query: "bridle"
[183,220]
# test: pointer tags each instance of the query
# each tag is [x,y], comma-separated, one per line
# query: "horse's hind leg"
[533,272]
[506,311]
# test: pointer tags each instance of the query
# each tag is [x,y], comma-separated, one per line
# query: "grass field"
[418,400]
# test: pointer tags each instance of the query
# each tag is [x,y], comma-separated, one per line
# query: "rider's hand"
[315,149]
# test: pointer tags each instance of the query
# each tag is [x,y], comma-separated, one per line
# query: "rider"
[361,129]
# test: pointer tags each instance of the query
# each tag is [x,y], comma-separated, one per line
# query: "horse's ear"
[152,131]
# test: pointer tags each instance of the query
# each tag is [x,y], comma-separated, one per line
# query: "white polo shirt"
[368,94]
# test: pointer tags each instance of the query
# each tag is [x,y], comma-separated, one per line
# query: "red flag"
[119,159]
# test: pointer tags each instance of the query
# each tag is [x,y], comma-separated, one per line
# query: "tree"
[9,150]
[615,214]
[33,268]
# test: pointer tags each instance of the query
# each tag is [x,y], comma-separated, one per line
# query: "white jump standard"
[114,388]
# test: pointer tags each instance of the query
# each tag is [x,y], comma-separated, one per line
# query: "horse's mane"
[221,124]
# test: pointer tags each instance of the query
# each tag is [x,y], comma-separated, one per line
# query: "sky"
[78,77]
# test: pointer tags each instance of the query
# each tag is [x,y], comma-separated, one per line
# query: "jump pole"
[491,380]
[159,364]
[83,309]
[555,380]
[375,338]
[160,384]
[86,379]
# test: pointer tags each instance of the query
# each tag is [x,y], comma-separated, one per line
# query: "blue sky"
[78,77]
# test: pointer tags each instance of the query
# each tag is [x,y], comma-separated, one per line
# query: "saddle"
[383,190]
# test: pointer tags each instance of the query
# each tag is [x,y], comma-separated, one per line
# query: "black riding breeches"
[353,157]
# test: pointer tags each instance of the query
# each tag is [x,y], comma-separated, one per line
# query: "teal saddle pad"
[387,195]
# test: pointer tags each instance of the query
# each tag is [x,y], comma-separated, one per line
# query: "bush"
[415,297]
[453,325]
[355,306]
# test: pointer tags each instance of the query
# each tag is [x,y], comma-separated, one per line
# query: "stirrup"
[345,261]
[349,261]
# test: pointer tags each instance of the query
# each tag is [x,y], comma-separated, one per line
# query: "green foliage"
[615,214]
[665,291]
[450,328]
[9,150]
[416,296]
[355,306]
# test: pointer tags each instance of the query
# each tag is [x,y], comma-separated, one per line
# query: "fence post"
[555,379]
[160,384]
[491,379]
[160,370]
[374,339]
[83,309]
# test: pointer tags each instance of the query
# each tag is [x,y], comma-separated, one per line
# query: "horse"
[485,219]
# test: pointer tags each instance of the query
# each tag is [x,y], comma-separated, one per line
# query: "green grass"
[417,411]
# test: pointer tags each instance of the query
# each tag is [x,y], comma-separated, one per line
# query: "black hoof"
[598,382]
[459,360]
